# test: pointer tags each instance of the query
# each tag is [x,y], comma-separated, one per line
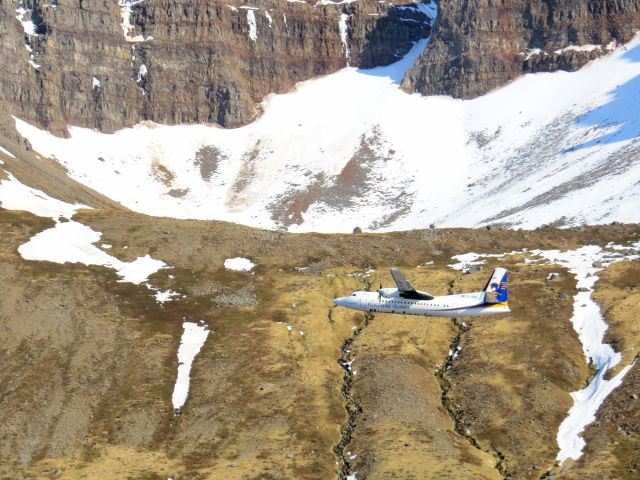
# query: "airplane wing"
[406,289]
[401,281]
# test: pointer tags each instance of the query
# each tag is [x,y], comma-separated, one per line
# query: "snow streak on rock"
[127,27]
[142,73]
[251,21]
[25,17]
[191,342]
[344,35]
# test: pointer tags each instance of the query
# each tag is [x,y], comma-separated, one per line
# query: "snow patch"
[578,48]
[466,260]
[34,64]
[165,296]
[142,73]
[589,323]
[14,195]
[429,9]
[532,52]
[239,264]
[73,242]
[67,241]
[139,270]
[191,343]
[95,83]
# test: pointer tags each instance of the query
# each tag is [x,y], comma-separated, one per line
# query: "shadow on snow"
[621,112]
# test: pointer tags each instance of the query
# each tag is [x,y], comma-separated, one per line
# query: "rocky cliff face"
[107,64]
[479,45]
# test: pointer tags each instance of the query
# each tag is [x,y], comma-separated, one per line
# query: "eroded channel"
[455,349]
[354,409]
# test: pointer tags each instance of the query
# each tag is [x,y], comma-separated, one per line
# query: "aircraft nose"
[340,301]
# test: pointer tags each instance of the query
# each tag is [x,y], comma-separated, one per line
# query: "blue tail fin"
[497,288]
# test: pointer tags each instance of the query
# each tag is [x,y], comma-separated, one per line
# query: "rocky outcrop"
[106,64]
[478,45]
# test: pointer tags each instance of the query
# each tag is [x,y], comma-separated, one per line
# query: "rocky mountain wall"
[106,64]
[479,45]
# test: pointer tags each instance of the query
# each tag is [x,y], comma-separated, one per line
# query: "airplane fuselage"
[453,306]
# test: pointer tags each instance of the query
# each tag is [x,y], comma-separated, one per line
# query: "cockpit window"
[353,294]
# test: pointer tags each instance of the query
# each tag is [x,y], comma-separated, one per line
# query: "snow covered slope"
[352,149]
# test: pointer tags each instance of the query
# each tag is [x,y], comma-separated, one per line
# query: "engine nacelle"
[388,292]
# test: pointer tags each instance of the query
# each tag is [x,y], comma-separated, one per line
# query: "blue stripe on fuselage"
[479,305]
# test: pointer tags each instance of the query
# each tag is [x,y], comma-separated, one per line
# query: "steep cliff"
[105,65]
[479,45]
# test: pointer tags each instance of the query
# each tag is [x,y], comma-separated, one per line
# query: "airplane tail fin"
[497,288]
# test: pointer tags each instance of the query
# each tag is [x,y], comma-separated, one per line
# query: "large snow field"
[547,147]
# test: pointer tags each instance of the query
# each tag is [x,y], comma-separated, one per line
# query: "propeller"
[380,292]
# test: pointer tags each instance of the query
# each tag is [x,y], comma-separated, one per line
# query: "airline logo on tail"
[497,289]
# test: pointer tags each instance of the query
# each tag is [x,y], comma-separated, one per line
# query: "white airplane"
[407,300]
